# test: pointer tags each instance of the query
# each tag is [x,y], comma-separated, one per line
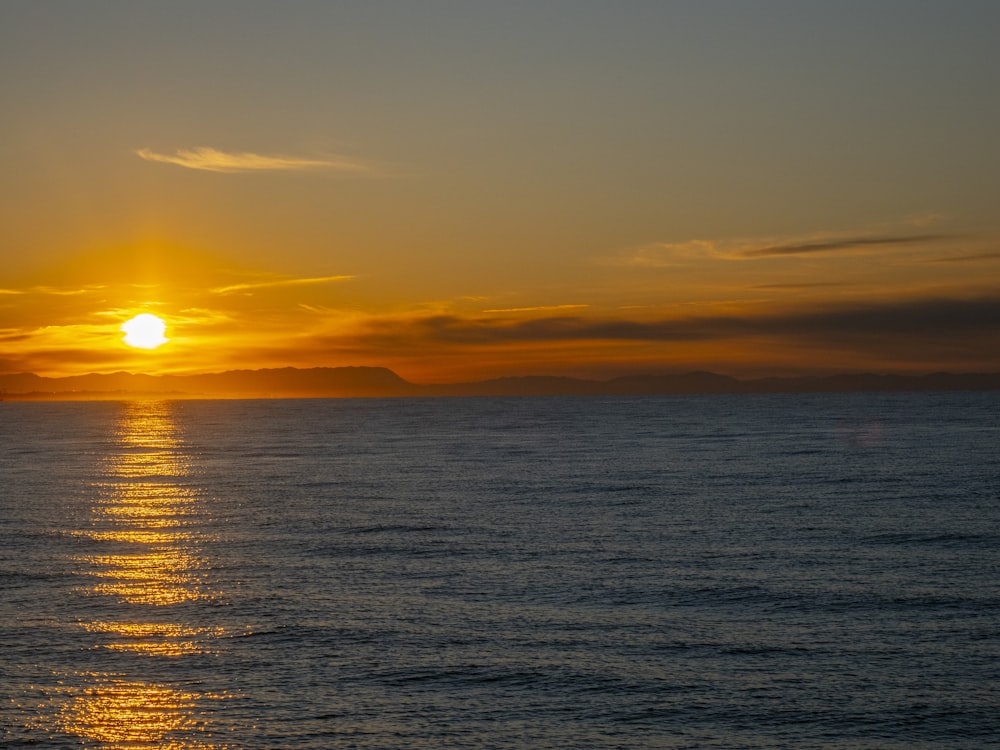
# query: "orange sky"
[461,193]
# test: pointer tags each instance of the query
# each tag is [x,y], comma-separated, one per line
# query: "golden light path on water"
[143,517]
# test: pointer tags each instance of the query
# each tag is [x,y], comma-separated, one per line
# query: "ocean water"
[788,571]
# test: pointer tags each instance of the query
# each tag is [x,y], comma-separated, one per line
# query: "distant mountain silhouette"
[330,382]
[267,383]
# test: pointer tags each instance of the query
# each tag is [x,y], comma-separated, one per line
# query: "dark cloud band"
[840,245]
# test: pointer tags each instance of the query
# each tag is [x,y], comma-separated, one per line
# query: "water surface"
[789,571]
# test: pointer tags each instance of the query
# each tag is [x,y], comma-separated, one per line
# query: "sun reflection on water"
[120,713]
[146,526]
[163,575]
[163,639]
[143,509]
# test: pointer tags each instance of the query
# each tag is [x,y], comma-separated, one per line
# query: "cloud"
[968,258]
[65,292]
[278,283]
[51,290]
[966,322]
[671,254]
[794,287]
[535,309]
[926,219]
[213,160]
[916,317]
[838,244]
[668,254]
[10,335]
[54,361]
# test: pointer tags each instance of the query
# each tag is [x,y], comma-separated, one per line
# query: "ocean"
[756,571]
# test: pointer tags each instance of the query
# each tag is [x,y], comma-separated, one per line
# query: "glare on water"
[141,510]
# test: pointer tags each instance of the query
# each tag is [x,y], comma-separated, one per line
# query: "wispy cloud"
[13,334]
[65,292]
[232,288]
[213,160]
[673,254]
[51,290]
[838,244]
[968,258]
[794,287]
[667,254]
[926,219]
[535,309]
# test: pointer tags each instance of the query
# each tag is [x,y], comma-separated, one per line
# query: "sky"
[465,190]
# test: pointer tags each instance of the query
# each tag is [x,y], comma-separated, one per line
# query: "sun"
[145,331]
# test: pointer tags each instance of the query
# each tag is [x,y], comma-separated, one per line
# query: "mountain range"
[332,382]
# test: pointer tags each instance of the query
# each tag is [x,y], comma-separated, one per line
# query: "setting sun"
[144,331]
